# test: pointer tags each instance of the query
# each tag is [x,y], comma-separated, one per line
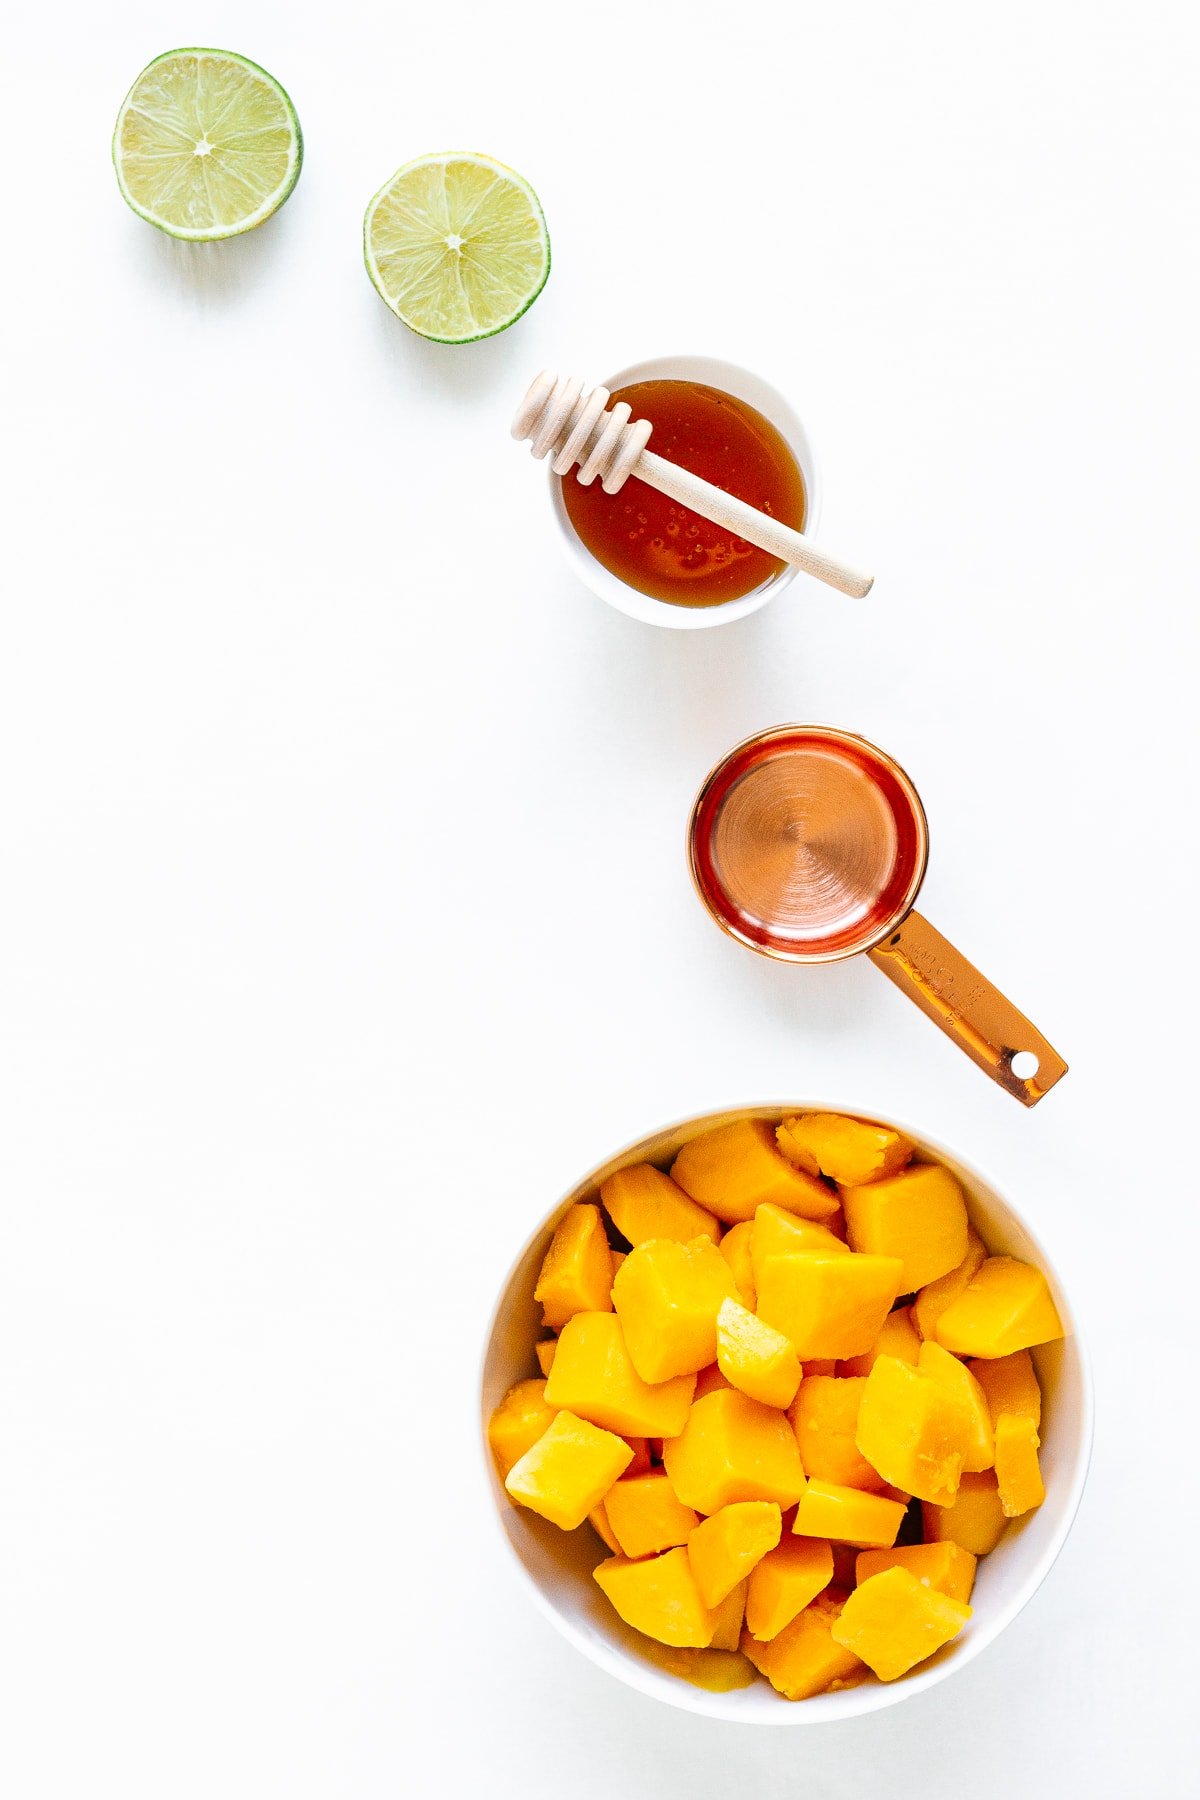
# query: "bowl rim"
[718,372]
[870,1696]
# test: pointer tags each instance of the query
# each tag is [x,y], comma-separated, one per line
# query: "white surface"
[344,909]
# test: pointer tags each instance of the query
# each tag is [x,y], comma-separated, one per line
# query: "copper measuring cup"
[809,844]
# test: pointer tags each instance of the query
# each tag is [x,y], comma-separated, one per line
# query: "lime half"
[207,144]
[457,246]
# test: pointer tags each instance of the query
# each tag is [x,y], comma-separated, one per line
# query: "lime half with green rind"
[457,246]
[207,144]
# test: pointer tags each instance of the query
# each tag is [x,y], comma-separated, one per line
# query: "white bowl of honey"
[660,562]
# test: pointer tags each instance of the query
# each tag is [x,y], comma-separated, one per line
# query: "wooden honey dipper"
[556,415]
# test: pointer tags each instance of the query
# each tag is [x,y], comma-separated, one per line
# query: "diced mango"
[1010,1386]
[975,1520]
[947,1567]
[725,1548]
[667,1297]
[784,1582]
[643,1203]
[731,1616]
[820,1365]
[824,1416]
[936,1296]
[544,1351]
[1006,1306]
[912,1430]
[893,1621]
[594,1376]
[598,1520]
[804,1659]
[735,1248]
[845,1556]
[658,1596]
[919,1215]
[641,1454]
[1018,1474]
[828,1510]
[778,1233]
[755,1357]
[709,1380]
[978,1441]
[830,1306]
[518,1422]
[645,1516]
[568,1471]
[898,1337]
[732,1448]
[577,1273]
[734,1168]
[850,1151]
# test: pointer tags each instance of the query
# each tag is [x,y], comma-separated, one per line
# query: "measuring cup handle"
[951,992]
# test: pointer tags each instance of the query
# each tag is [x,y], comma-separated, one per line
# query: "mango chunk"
[568,1471]
[518,1422]
[975,1519]
[1006,1306]
[724,1549]
[594,1376]
[947,1567]
[658,1595]
[828,1510]
[709,1380]
[829,1306]
[734,1168]
[577,1273]
[544,1351]
[912,1430]
[784,1582]
[645,1516]
[804,1659]
[893,1621]
[919,1215]
[643,1203]
[898,1337]
[778,1233]
[936,1296]
[850,1151]
[735,1248]
[824,1416]
[1010,1386]
[732,1448]
[598,1520]
[667,1297]
[845,1556]
[755,1357]
[731,1616]
[641,1454]
[1018,1474]
[978,1440]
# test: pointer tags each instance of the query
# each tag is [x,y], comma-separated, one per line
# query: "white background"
[344,914]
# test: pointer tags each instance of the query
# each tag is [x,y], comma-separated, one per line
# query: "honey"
[665,550]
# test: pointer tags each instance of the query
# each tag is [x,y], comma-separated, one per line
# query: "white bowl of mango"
[785,1414]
